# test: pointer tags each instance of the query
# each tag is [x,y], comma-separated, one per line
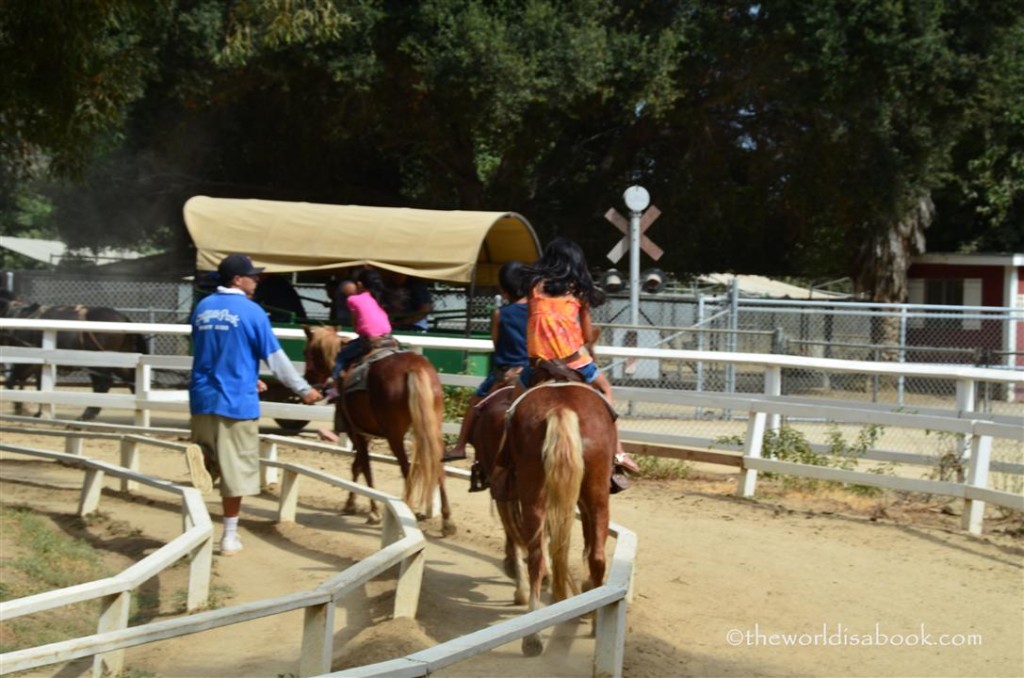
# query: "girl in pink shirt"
[369,319]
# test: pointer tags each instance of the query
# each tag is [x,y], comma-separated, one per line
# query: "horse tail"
[428,448]
[563,469]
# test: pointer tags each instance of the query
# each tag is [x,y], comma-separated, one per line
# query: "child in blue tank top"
[508,332]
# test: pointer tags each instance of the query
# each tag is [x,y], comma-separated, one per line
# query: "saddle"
[355,378]
[503,477]
[554,369]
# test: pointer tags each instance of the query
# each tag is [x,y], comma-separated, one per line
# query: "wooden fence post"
[73,445]
[410,579]
[610,640]
[143,385]
[200,558]
[48,375]
[317,640]
[752,448]
[410,572]
[113,617]
[268,474]
[965,394]
[289,497]
[92,489]
[129,460]
[772,388]
[977,476]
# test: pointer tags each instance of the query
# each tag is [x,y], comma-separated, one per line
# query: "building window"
[945,292]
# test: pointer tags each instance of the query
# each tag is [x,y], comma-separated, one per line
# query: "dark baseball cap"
[236,264]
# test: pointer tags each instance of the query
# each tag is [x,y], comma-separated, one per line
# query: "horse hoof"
[373,519]
[520,598]
[349,510]
[89,414]
[532,646]
[448,529]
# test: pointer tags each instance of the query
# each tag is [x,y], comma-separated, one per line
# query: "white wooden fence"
[976,431]
[402,544]
[114,593]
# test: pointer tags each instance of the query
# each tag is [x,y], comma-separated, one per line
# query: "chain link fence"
[979,336]
[844,330]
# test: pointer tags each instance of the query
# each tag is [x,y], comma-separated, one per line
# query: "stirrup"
[478,480]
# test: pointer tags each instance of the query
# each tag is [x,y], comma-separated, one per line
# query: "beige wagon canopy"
[298,236]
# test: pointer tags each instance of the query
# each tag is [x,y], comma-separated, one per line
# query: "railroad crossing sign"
[646,244]
[637,200]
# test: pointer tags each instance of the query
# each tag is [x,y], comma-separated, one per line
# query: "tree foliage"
[822,138]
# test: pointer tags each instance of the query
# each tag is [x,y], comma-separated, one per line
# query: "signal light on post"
[652,280]
[611,281]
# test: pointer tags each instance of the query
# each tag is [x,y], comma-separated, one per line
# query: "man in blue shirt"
[230,336]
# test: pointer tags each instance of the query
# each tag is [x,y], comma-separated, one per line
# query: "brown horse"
[102,378]
[559,445]
[402,392]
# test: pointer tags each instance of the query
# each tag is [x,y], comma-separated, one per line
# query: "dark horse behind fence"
[102,377]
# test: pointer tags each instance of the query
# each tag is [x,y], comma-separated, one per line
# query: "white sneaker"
[197,471]
[229,546]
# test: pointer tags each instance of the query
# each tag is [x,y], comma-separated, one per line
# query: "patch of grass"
[218,596]
[789,444]
[39,557]
[657,468]
[130,672]
[950,465]
[49,558]
[456,400]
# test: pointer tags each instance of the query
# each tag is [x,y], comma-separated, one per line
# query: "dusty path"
[720,583]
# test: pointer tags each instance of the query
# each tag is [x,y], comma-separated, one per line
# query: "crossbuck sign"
[634,240]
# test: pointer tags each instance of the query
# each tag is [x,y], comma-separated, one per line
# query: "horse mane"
[323,344]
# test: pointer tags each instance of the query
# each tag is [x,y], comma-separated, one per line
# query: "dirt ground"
[790,584]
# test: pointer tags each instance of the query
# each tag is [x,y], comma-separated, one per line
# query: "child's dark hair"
[563,268]
[511,279]
[371,281]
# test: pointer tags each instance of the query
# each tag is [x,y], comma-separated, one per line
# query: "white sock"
[230,526]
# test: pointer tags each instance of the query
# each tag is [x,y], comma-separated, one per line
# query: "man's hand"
[261,386]
[312,397]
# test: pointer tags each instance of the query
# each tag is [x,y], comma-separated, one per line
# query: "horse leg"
[18,378]
[533,531]
[102,380]
[397,444]
[448,528]
[374,517]
[360,465]
[513,564]
[594,515]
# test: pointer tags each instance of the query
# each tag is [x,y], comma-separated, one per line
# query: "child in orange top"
[559,324]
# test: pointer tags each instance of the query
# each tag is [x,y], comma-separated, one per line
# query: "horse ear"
[309,331]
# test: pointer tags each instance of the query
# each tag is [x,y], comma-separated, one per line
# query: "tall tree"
[798,137]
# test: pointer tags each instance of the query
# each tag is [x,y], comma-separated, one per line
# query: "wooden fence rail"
[402,544]
[115,593]
[975,432]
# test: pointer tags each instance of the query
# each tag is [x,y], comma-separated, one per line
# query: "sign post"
[637,200]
